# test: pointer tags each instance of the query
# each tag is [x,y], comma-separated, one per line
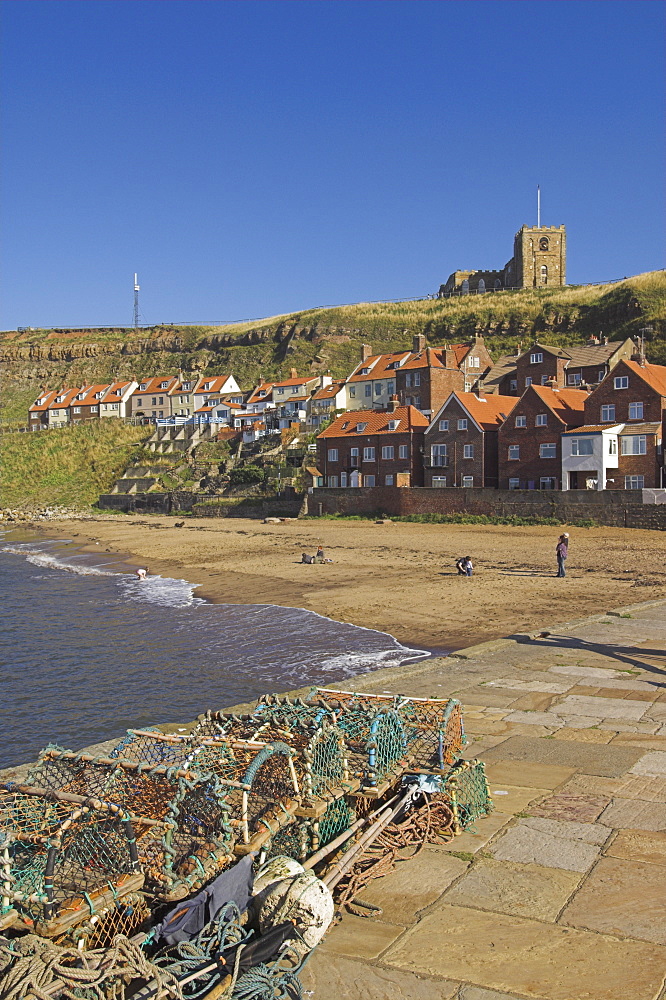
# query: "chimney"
[293,373]
[394,403]
[366,351]
[418,343]
[552,382]
[593,341]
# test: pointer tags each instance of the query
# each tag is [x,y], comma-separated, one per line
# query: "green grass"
[71,466]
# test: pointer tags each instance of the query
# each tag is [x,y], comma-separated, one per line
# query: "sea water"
[87,650]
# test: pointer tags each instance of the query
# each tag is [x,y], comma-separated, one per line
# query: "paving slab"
[641,728]
[523,773]
[577,808]
[334,977]
[414,884]
[622,897]
[507,887]
[498,727]
[606,761]
[533,701]
[651,764]
[514,798]
[533,959]
[472,841]
[658,711]
[631,814]
[630,787]
[607,708]
[574,670]
[583,735]
[545,686]
[639,845]
[646,740]
[477,993]
[360,937]
[532,718]
[642,693]
[573,847]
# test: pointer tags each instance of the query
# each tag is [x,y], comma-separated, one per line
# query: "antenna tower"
[136,301]
[538,209]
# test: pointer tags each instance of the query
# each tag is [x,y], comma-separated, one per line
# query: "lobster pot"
[180,817]
[126,916]
[434,730]
[54,853]
[339,816]
[154,748]
[466,789]
[292,841]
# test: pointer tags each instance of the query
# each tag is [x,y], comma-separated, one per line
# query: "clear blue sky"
[252,158]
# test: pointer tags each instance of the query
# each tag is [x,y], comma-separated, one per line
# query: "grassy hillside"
[71,466]
[329,339]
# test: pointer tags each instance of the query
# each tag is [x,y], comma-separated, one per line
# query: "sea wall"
[615,508]
[201,505]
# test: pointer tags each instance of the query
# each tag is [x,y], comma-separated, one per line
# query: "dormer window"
[59,399]
[98,395]
[360,428]
[142,387]
[365,371]
[81,395]
[393,425]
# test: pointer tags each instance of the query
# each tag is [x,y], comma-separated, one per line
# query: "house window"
[513,385]
[388,480]
[443,425]
[388,451]
[77,409]
[55,413]
[343,479]
[547,483]
[393,425]
[403,451]
[332,480]
[608,413]
[417,401]
[332,454]
[582,446]
[154,403]
[612,446]
[521,421]
[601,375]
[94,409]
[468,481]
[541,420]
[633,444]
[468,451]
[408,380]
[438,455]
[281,391]
[621,382]
[536,358]
[439,481]
[352,392]
[378,388]
[368,390]
[514,484]
[368,454]
[142,387]
[635,411]
[573,379]
[353,458]
[544,380]
[528,381]
[634,482]
[514,452]
[548,450]
[368,480]
[462,424]
[163,385]
[360,428]
[390,388]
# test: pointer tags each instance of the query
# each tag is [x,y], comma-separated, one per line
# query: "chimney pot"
[418,343]
[366,351]
[394,402]
[293,373]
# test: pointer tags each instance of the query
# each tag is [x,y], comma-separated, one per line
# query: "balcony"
[438,462]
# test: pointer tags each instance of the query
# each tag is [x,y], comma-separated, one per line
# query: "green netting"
[468,787]
[338,817]
[293,841]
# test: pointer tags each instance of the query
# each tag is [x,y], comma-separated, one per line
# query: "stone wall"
[611,507]
[201,505]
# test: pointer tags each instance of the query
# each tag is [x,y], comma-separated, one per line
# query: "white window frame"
[438,452]
[462,424]
[333,481]
[467,481]
[638,409]
[638,444]
[536,358]
[575,378]
[369,480]
[443,425]
[550,480]
[468,451]
[634,482]
[515,449]
[528,382]
[388,452]
[521,420]
[610,413]
[514,484]
[368,389]
[439,481]
[403,451]
[388,479]
[332,454]
[621,382]
[354,458]
[577,443]
[369,454]
[541,420]
[548,444]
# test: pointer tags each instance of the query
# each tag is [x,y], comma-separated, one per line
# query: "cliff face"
[325,340]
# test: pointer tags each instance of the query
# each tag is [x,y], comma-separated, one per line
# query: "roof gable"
[375,422]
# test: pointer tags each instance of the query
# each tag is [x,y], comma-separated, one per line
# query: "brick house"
[529,445]
[570,367]
[38,413]
[460,445]
[373,448]
[60,408]
[86,404]
[632,397]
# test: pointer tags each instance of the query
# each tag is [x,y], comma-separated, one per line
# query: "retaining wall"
[611,507]
[180,501]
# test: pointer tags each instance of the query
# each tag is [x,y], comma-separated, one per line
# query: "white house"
[212,387]
[588,453]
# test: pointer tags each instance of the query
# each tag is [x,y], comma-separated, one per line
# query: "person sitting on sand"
[460,566]
[142,573]
[466,566]
[305,558]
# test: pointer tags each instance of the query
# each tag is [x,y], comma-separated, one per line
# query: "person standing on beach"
[562,551]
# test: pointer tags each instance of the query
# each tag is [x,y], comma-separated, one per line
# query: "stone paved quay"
[560,893]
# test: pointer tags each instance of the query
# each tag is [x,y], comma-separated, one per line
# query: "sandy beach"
[398,577]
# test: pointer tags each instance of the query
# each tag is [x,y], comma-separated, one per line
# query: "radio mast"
[136,301]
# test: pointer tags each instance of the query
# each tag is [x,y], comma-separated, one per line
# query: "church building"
[539,259]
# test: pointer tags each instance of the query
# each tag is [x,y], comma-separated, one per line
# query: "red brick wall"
[380,467]
[530,467]
[550,367]
[638,391]
[455,441]
[436,386]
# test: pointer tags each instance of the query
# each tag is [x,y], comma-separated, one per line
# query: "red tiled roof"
[329,391]
[380,365]
[152,384]
[214,383]
[593,428]
[114,394]
[68,394]
[265,386]
[376,422]
[295,381]
[654,375]
[48,395]
[89,393]
[567,404]
[488,411]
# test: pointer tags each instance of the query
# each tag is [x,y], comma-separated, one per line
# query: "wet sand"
[399,578]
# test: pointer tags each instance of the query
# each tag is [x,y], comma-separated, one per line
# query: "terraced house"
[565,367]
[151,397]
[460,446]
[529,440]
[620,445]
[373,448]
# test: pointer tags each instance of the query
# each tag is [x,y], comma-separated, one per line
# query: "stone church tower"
[539,261]
[539,258]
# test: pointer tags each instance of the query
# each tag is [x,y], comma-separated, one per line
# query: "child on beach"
[464,566]
[562,551]
[142,573]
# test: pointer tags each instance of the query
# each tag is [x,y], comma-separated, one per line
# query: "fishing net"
[338,817]
[467,789]
[126,916]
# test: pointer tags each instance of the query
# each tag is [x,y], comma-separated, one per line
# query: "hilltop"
[328,339]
